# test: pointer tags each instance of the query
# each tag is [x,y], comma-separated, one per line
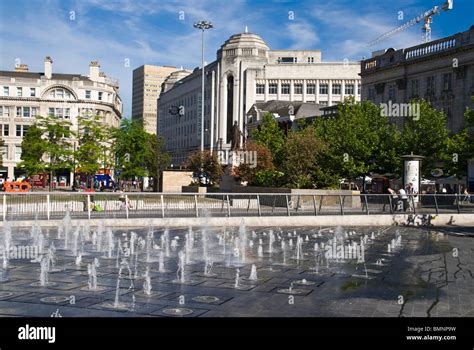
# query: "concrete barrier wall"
[272,221]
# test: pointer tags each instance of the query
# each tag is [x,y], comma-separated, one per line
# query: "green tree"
[354,138]
[93,152]
[246,171]
[130,145]
[33,147]
[300,161]
[157,160]
[269,134]
[207,164]
[47,147]
[427,136]
[461,147]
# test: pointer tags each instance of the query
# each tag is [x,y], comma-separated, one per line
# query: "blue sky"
[116,32]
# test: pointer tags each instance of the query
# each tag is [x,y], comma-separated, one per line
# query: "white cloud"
[302,35]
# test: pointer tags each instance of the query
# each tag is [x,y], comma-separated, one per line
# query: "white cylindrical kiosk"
[412,172]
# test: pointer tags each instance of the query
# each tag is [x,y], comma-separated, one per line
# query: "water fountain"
[7,239]
[299,248]
[147,283]
[253,273]
[260,251]
[188,246]
[242,241]
[292,290]
[165,242]
[161,262]
[44,272]
[124,272]
[271,240]
[78,260]
[208,267]
[181,264]
[237,278]
[109,243]
[92,274]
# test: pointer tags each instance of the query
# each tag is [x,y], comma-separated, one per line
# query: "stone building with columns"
[25,95]
[245,72]
[440,71]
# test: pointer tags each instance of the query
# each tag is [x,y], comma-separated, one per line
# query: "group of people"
[401,199]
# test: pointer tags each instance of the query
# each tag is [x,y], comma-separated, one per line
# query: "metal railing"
[54,205]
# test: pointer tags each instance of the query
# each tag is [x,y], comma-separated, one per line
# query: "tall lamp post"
[202,25]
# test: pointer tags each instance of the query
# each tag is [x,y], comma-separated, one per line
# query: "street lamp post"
[202,25]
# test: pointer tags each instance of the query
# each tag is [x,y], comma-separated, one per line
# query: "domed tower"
[236,56]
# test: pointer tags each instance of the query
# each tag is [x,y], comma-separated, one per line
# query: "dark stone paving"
[429,274]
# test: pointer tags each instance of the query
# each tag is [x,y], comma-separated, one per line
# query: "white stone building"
[246,71]
[24,95]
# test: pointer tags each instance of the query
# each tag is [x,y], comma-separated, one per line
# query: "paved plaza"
[403,272]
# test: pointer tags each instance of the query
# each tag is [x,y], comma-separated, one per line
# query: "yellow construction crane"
[426,17]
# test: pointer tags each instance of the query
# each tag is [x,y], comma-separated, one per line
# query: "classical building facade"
[146,89]
[246,72]
[440,71]
[25,95]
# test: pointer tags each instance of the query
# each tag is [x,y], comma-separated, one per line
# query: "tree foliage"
[246,171]
[33,148]
[269,134]
[157,160]
[207,164]
[301,158]
[93,152]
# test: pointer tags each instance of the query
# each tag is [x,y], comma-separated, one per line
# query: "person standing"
[403,196]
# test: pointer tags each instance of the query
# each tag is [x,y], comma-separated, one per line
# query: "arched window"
[60,94]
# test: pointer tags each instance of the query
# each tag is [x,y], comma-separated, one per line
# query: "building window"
[430,85]
[17,153]
[260,89]
[6,91]
[88,94]
[358,89]
[298,89]
[18,111]
[272,89]
[287,59]
[447,82]
[4,111]
[336,89]
[323,89]
[310,59]
[285,89]
[100,95]
[21,130]
[310,89]
[371,93]
[51,112]
[26,112]
[32,92]
[5,129]
[34,111]
[4,152]
[19,91]
[60,94]
[391,92]
[349,89]
[414,87]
